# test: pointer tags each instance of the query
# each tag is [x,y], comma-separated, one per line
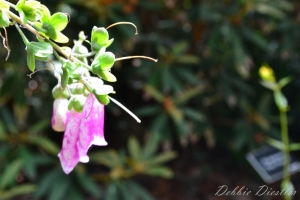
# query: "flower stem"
[22,35]
[286,151]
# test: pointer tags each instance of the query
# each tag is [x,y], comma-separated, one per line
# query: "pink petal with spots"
[91,127]
[69,155]
[59,114]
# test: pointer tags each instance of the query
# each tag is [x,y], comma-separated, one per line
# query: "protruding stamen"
[136,31]
[124,108]
[131,57]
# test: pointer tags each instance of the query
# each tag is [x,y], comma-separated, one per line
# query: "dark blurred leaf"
[134,148]
[159,171]
[27,159]
[89,185]
[147,110]
[18,190]
[11,170]
[140,191]
[112,191]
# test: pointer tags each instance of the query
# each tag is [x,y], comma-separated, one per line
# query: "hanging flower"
[91,127]
[69,155]
[83,126]
[59,114]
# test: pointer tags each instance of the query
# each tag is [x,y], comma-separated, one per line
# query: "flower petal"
[59,114]
[69,155]
[91,127]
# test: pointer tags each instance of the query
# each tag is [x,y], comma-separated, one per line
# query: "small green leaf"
[276,143]
[109,42]
[8,175]
[159,171]
[134,148]
[59,21]
[18,190]
[61,38]
[284,81]
[106,75]
[4,19]
[280,101]
[45,143]
[164,157]
[294,146]
[30,60]
[45,14]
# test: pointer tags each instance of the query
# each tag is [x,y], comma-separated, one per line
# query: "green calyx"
[102,64]
[39,51]
[29,10]
[76,102]
[51,26]
[100,38]
[59,92]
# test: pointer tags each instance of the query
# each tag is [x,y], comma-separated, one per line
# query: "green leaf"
[112,191]
[27,159]
[280,101]
[150,147]
[10,172]
[106,75]
[139,190]
[134,148]
[109,42]
[4,19]
[60,188]
[164,157]
[45,14]
[284,81]
[61,38]
[294,146]
[276,143]
[59,21]
[89,185]
[270,85]
[30,60]
[45,143]
[18,190]
[159,171]
[47,181]
[148,110]
[41,48]
[109,158]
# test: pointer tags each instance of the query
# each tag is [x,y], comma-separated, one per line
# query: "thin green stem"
[286,152]
[84,55]
[22,35]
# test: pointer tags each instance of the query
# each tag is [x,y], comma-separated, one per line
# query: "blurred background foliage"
[203,93]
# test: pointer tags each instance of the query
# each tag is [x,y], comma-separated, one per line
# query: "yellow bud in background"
[266,73]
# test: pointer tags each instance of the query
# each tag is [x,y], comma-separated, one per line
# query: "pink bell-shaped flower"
[91,127]
[59,114]
[69,154]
